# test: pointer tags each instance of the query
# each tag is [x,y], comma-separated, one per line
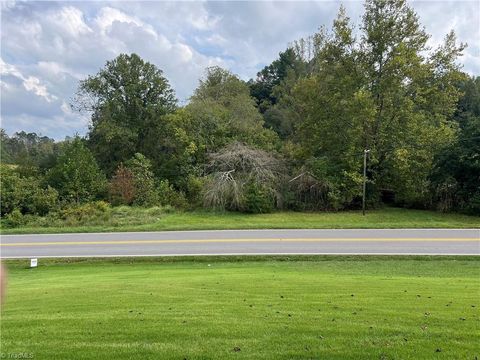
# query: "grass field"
[214,308]
[154,219]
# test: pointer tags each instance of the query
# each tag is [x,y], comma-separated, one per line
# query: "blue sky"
[47,47]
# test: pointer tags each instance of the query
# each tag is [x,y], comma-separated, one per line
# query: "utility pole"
[365,152]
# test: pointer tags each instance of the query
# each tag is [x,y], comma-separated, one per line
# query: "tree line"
[293,138]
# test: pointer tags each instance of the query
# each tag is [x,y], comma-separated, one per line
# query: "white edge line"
[234,254]
[246,230]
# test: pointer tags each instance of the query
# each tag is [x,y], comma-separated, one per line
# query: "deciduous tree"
[125,99]
[76,174]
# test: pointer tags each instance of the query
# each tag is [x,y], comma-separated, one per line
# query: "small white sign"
[33,263]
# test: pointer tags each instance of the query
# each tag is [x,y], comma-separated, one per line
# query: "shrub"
[122,187]
[167,195]
[76,174]
[25,194]
[44,201]
[10,189]
[473,205]
[258,199]
[14,219]
[194,191]
[143,181]
[316,187]
[98,212]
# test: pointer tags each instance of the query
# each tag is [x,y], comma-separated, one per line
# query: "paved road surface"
[231,242]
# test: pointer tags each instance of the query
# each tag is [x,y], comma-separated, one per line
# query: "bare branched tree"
[309,191]
[237,165]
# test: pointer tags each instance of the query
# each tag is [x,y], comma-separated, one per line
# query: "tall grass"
[124,218]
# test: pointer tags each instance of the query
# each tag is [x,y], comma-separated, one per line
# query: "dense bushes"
[143,181]
[24,198]
[85,213]
[455,179]
[14,219]
[90,214]
[76,175]
[25,194]
[167,195]
[134,184]
[258,198]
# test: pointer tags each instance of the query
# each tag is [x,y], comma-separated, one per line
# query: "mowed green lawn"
[140,219]
[218,308]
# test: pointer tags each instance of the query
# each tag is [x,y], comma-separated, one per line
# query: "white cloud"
[8,69]
[33,84]
[30,83]
[70,20]
[107,16]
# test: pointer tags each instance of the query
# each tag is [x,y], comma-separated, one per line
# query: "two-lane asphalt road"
[236,242]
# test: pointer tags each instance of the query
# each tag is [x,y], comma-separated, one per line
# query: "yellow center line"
[206,241]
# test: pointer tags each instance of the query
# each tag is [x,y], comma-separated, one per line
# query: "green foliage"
[85,213]
[224,112]
[319,186]
[44,201]
[25,194]
[333,110]
[169,196]
[143,180]
[127,97]
[194,191]
[258,199]
[272,76]
[321,103]
[29,150]
[76,175]
[10,189]
[87,216]
[378,92]
[14,219]
[456,175]
[473,205]
[279,120]
[175,146]
[134,184]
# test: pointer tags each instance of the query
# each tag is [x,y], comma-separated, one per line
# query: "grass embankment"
[156,219]
[323,308]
